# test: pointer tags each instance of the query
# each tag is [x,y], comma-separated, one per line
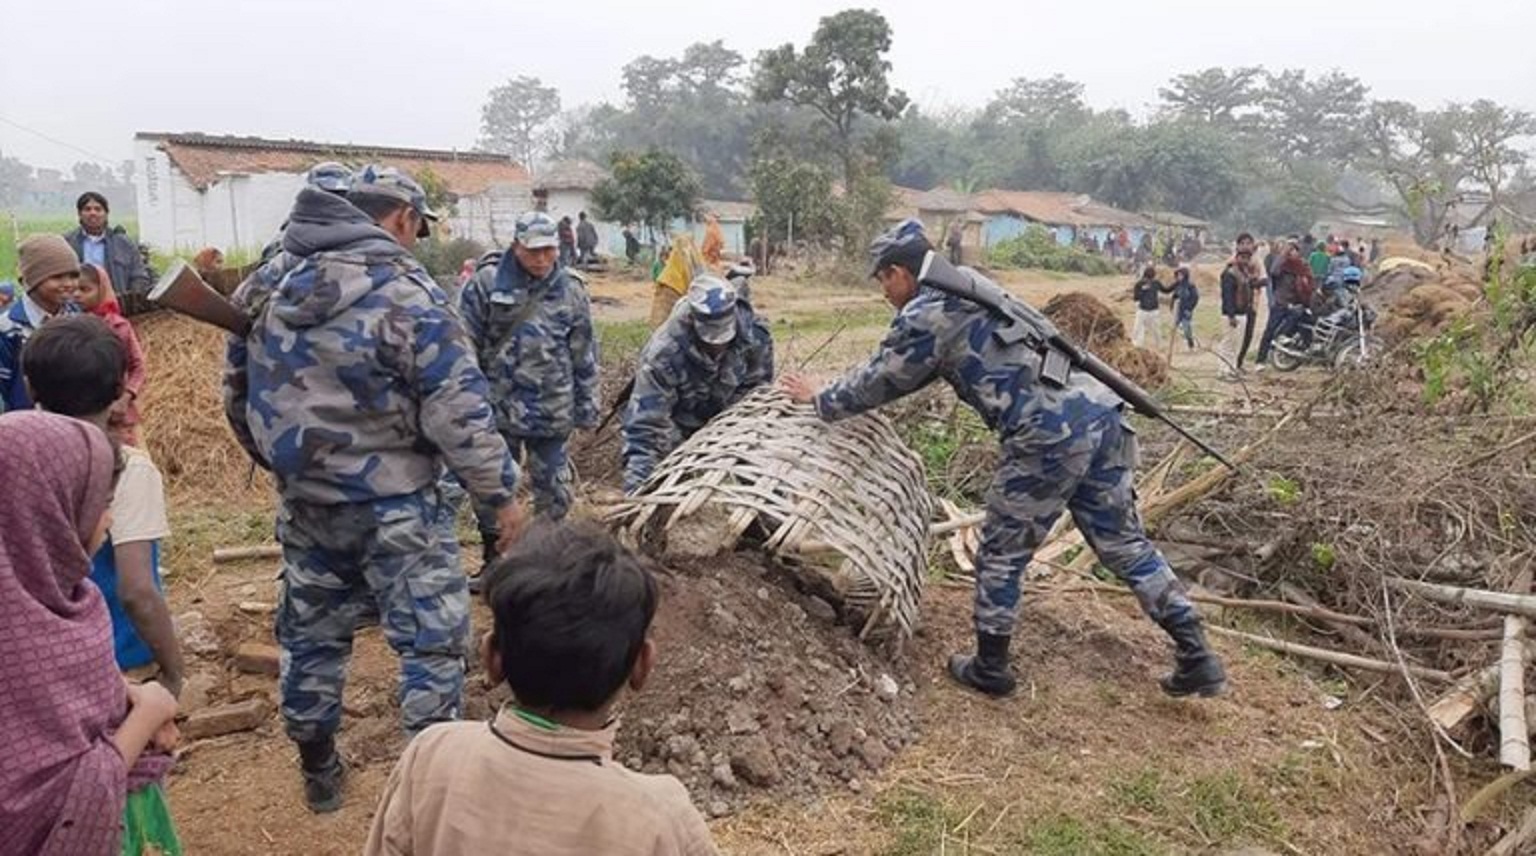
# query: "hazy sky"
[91,73]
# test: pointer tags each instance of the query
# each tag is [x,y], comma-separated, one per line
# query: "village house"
[564,189]
[196,190]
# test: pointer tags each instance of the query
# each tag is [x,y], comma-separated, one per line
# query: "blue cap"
[1351,274]
[898,238]
[536,230]
[712,301]
[377,180]
[330,176]
[7,288]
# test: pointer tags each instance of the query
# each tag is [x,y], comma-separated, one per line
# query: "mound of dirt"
[1089,322]
[183,405]
[1428,307]
[757,690]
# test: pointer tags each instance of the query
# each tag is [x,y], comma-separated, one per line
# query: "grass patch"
[1223,809]
[1141,792]
[616,338]
[919,823]
[196,533]
[14,227]
[1070,836]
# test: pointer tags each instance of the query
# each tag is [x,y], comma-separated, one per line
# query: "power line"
[58,142]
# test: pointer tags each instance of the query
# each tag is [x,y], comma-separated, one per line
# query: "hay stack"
[1428,309]
[183,406]
[1088,322]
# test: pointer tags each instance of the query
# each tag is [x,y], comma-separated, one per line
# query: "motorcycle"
[1341,338]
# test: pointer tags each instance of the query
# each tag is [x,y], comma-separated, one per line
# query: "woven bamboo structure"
[850,491]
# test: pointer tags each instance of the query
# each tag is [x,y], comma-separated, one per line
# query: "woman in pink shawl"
[80,738]
[97,297]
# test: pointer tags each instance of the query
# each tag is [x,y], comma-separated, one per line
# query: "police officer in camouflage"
[1065,447]
[711,352]
[328,176]
[531,323]
[355,381]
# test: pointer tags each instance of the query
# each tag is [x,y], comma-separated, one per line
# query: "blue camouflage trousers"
[1091,474]
[548,467]
[396,555]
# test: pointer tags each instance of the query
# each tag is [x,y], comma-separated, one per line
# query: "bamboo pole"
[1336,658]
[224,555]
[1495,601]
[1514,740]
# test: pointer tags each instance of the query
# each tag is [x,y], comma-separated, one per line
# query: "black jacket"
[124,264]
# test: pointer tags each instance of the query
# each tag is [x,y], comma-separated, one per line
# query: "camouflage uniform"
[1064,449]
[355,380]
[541,361]
[679,386]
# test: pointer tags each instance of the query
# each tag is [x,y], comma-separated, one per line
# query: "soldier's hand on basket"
[798,387]
[510,519]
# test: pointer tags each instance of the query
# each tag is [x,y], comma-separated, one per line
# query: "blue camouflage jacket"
[16,328]
[357,376]
[937,335]
[540,358]
[679,387]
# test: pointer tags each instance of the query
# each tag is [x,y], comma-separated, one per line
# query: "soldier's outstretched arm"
[907,360]
[647,424]
[455,410]
[584,374]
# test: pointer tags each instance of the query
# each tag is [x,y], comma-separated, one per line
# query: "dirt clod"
[227,719]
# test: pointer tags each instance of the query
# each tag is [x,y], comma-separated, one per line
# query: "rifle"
[1058,353]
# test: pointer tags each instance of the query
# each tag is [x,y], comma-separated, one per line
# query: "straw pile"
[1093,325]
[769,469]
[1422,302]
[183,406]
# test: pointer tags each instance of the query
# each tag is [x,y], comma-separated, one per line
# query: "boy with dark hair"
[572,612]
[75,366]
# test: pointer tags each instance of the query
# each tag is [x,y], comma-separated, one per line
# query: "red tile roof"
[202,158]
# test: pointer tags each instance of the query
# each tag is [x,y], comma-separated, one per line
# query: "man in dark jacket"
[1241,279]
[1291,285]
[586,240]
[1186,296]
[111,249]
[1149,323]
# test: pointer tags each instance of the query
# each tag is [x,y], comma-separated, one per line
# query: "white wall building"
[197,190]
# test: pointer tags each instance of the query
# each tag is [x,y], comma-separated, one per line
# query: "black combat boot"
[487,556]
[1196,668]
[988,670]
[323,774]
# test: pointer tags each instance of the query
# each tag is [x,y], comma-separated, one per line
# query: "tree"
[936,148]
[1213,95]
[1051,101]
[1432,158]
[517,119]
[842,74]
[1309,119]
[93,174]
[651,188]
[15,180]
[794,194]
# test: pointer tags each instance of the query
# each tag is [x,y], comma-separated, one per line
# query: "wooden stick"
[223,555]
[1514,843]
[1319,613]
[1333,657]
[1349,630]
[1495,601]
[1514,742]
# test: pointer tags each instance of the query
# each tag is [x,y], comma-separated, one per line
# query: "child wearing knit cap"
[50,274]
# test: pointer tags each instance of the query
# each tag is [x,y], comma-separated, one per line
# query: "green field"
[14,227]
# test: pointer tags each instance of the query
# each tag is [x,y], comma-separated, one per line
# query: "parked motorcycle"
[1341,338]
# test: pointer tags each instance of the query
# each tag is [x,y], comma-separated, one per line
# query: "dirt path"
[1088,758]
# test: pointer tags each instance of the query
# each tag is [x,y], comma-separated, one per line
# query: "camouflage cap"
[712,301]
[329,176]
[898,240]
[387,181]
[536,230]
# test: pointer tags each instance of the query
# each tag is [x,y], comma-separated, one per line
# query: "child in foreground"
[572,614]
